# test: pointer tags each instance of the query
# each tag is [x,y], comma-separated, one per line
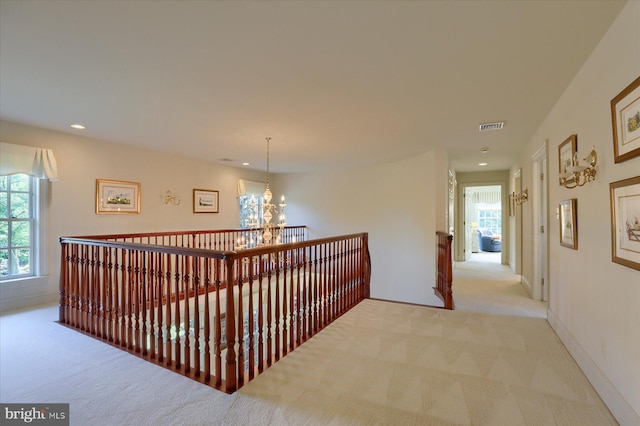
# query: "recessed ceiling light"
[78,126]
[246,164]
[482,164]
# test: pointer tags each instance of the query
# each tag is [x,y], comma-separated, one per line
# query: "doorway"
[540,222]
[483,227]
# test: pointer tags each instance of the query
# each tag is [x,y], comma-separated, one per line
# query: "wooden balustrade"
[444,279]
[219,317]
[219,239]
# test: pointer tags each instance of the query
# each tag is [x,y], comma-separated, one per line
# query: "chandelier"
[263,230]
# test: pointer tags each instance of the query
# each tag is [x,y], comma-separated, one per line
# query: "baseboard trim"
[526,285]
[406,303]
[617,405]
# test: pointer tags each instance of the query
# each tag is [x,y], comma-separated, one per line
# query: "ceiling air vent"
[491,126]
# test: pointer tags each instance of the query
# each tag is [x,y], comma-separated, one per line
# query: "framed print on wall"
[566,151]
[625,222]
[205,201]
[117,197]
[569,223]
[625,122]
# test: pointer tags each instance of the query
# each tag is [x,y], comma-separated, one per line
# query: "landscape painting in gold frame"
[625,222]
[117,197]
[205,201]
[625,122]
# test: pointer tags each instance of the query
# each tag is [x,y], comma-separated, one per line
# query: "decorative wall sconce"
[521,197]
[171,198]
[578,175]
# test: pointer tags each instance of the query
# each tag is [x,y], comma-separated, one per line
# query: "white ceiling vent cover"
[491,126]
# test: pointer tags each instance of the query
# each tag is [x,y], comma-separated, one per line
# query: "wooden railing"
[444,277]
[219,317]
[219,239]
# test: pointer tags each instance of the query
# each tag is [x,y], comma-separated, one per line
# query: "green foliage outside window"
[16,225]
[246,211]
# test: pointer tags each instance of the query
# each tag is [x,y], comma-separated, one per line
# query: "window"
[249,213]
[17,226]
[250,195]
[489,217]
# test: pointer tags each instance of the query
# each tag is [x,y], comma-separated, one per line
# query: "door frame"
[461,225]
[540,224]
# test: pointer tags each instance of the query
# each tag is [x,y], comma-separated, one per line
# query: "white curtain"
[249,187]
[37,162]
[486,197]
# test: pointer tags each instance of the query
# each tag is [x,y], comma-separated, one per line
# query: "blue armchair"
[487,242]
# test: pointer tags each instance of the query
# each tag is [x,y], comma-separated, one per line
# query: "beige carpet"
[381,363]
[482,284]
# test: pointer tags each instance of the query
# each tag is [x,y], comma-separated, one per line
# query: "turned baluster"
[277,318]
[196,313]
[186,268]
[218,332]
[160,296]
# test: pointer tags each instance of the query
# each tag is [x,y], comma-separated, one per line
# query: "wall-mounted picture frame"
[117,197]
[566,152]
[625,122]
[205,201]
[569,223]
[625,222]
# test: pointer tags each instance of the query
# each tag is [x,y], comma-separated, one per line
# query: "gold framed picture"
[569,223]
[625,122]
[625,222]
[566,152]
[205,201]
[117,197]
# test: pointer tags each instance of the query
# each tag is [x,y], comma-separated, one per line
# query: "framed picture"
[625,222]
[566,151]
[625,122]
[569,223]
[205,201]
[117,197]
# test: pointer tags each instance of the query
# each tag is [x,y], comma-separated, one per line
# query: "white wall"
[594,303]
[72,199]
[400,205]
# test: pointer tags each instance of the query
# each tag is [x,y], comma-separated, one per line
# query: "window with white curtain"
[24,175]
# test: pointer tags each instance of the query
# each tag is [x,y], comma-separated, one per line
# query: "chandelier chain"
[268,140]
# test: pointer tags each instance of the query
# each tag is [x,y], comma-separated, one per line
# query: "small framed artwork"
[205,201]
[566,151]
[117,197]
[625,122]
[569,223]
[625,222]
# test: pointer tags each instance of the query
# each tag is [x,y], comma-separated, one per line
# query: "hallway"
[482,284]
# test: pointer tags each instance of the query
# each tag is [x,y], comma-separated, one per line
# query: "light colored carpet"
[482,284]
[381,363]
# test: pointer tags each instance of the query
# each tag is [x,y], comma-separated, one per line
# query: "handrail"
[173,233]
[444,278]
[216,316]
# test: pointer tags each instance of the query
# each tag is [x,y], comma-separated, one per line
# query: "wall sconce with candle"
[171,198]
[521,197]
[579,174]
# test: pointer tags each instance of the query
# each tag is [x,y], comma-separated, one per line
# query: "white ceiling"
[334,83]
